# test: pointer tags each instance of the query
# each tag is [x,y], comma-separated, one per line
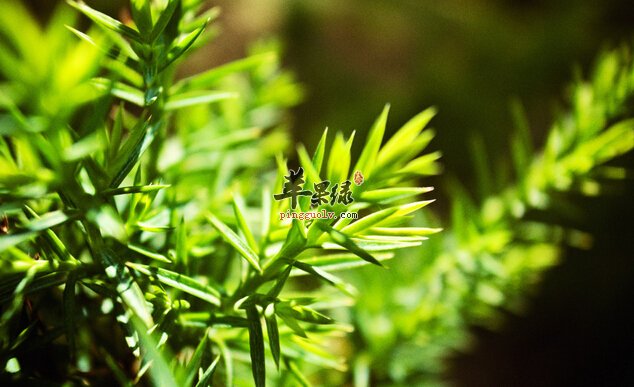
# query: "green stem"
[272,270]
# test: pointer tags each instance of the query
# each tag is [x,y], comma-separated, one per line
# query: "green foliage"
[141,239]
[497,244]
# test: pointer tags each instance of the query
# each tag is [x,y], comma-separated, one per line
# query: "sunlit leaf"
[150,254]
[121,90]
[142,15]
[234,240]
[331,279]
[134,189]
[183,45]
[191,371]
[180,101]
[141,137]
[344,240]
[368,157]
[164,18]
[106,21]
[273,333]
[209,372]
[180,282]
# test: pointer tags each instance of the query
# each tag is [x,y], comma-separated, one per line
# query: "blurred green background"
[470,59]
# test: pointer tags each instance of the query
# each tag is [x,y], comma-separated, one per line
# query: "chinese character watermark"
[340,193]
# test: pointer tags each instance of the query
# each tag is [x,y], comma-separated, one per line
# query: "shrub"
[148,232]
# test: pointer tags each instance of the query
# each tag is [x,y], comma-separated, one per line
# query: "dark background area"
[578,328]
[470,58]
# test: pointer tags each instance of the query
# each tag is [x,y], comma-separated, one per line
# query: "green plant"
[140,233]
[141,241]
[500,238]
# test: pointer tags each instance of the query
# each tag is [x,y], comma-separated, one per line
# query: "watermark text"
[323,214]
